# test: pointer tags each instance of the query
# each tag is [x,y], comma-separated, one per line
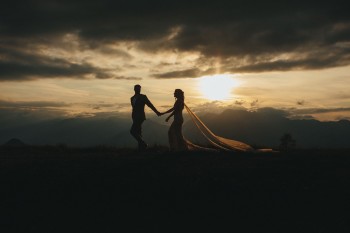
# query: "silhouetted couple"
[138,102]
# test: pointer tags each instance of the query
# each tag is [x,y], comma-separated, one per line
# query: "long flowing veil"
[220,142]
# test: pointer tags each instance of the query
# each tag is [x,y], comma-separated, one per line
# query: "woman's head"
[179,94]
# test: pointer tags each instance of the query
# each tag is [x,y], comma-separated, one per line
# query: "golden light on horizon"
[217,87]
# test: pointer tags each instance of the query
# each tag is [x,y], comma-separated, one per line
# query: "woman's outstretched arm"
[167,119]
[170,110]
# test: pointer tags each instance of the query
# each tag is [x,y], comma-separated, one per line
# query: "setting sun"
[217,87]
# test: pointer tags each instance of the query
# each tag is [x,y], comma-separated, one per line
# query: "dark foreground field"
[57,189]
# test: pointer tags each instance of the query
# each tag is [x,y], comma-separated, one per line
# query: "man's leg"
[136,132]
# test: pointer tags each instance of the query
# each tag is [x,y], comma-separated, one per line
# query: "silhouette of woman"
[176,139]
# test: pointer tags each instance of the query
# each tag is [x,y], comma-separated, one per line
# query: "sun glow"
[217,87]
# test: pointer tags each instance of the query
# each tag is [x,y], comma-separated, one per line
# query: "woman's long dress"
[176,139]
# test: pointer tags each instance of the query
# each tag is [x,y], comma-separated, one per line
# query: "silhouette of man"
[138,102]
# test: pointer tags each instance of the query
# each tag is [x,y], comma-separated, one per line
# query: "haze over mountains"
[266,126]
[261,128]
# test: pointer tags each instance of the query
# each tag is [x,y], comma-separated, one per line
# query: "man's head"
[137,89]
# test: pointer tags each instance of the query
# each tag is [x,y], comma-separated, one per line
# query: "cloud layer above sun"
[131,40]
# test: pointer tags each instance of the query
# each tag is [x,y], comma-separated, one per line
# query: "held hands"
[162,113]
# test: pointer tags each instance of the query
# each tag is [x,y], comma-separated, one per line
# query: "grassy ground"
[59,189]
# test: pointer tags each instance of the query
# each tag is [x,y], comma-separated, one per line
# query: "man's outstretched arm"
[150,105]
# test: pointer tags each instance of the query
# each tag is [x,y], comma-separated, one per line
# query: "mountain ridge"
[263,127]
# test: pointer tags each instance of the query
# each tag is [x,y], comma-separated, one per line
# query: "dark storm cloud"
[23,65]
[253,33]
[326,59]
[11,71]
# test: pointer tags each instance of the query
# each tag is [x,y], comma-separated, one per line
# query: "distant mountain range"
[14,142]
[266,126]
[263,128]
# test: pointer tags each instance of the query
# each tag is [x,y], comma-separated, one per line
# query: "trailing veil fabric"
[220,142]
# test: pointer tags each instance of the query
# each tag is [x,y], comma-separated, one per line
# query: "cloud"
[117,106]
[254,103]
[319,60]
[11,71]
[32,104]
[247,36]
[239,102]
[213,107]
[318,110]
[301,102]
[114,52]
[189,73]
[322,114]
[127,78]
[18,65]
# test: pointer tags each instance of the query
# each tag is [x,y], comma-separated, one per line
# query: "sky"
[82,58]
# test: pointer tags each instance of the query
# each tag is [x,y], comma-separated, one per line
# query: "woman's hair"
[179,94]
